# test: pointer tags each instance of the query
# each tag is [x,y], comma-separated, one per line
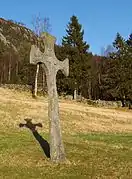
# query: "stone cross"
[51,66]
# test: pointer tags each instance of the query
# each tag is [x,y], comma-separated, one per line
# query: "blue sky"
[101,19]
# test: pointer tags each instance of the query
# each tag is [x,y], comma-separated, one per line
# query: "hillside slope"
[75,117]
[15,44]
[13,34]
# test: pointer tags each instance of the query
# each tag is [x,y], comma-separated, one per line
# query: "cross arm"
[35,55]
[63,66]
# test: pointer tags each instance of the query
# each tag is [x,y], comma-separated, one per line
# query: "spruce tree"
[77,50]
[119,42]
[129,41]
[74,37]
[117,77]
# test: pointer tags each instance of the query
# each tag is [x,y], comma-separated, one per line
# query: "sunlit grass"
[91,155]
[98,142]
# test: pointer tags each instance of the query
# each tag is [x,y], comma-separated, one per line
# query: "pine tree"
[75,35]
[129,41]
[117,77]
[119,42]
[76,48]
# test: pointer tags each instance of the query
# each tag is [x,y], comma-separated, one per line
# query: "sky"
[100,19]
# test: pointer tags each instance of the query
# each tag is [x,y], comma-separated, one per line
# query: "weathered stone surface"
[51,66]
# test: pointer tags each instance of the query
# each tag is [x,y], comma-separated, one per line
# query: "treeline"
[106,77]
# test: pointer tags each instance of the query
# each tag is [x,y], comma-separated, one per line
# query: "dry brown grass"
[91,152]
[75,117]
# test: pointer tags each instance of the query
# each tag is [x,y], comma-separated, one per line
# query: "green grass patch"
[121,138]
[105,153]
[90,156]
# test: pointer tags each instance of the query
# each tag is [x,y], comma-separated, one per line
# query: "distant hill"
[15,43]
[13,34]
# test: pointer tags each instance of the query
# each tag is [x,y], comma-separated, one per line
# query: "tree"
[75,35]
[76,48]
[119,42]
[40,25]
[129,41]
[117,76]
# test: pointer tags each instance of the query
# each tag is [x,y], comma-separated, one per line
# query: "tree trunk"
[99,76]
[89,89]
[4,73]
[43,81]
[9,69]
[17,68]
[36,81]
[75,94]
[1,76]
[75,91]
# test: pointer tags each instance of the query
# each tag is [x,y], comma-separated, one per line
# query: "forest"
[106,77]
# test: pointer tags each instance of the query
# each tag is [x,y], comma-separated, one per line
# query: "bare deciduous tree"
[40,25]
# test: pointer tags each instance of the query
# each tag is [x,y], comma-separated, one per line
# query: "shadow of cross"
[43,143]
[51,66]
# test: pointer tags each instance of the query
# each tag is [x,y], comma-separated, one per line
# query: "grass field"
[98,141]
